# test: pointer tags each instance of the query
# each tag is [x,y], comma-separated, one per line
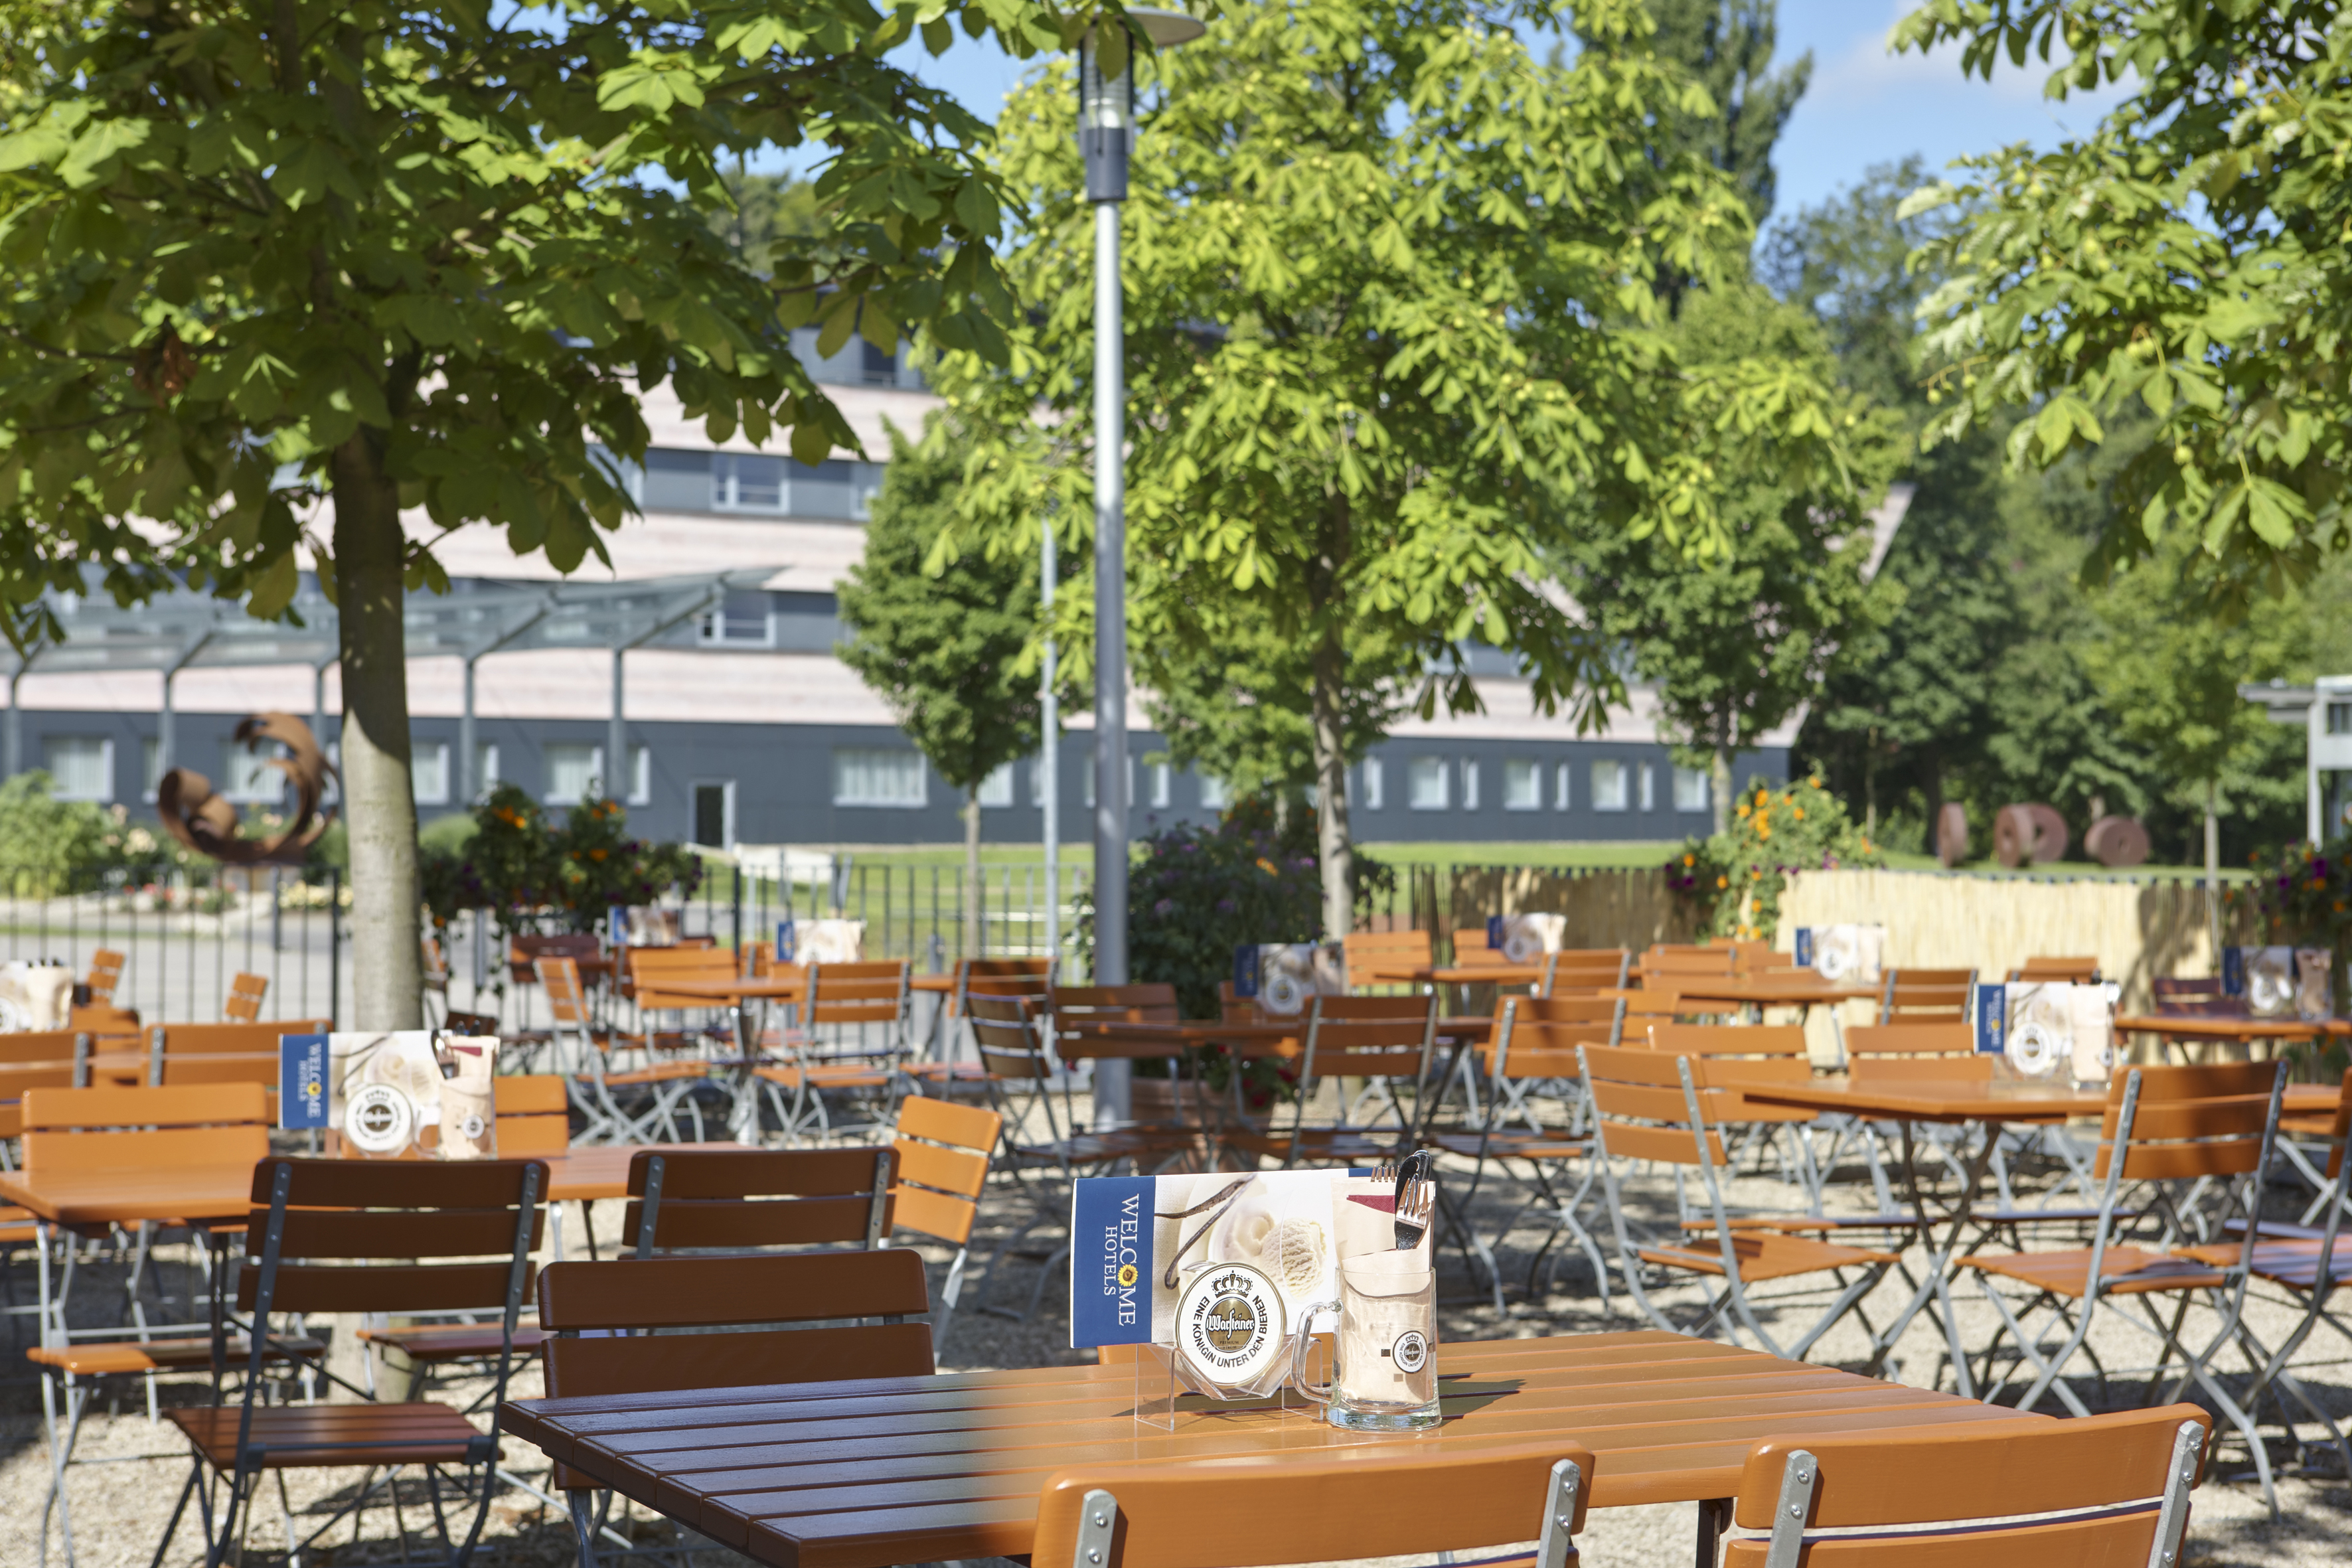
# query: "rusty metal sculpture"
[206,822]
[2029,832]
[1952,833]
[2117,841]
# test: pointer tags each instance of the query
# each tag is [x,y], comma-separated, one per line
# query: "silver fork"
[1414,1206]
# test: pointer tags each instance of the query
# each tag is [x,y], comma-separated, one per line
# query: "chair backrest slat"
[1727,1040]
[2098,1487]
[105,974]
[243,1003]
[1370,1036]
[534,1114]
[1144,1004]
[1363,952]
[2191,1122]
[2082,971]
[1910,1039]
[1367,1504]
[144,1129]
[758,1197]
[351,1233]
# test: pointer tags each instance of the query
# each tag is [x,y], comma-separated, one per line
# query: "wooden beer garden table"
[2239,1029]
[1460,973]
[1760,990]
[879,1472]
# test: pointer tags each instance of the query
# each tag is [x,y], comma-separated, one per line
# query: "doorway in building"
[714,814]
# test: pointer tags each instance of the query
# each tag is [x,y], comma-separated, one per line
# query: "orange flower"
[1801,813]
[1743,808]
[1723,881]
[1689,862]
[1265,866]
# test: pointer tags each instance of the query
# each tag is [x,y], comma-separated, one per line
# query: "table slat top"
[879,1472]
[2224,1026]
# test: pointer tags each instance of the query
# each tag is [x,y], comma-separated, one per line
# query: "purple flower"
[1226,905]
[1163,907]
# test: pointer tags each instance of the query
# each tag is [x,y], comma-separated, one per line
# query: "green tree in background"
[428,256]
[764,215]
[942,644]
[2189,258]
[1726,46]
[1738,644]
[1383,346]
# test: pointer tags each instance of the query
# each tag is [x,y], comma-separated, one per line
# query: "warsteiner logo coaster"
[1229,1324]
[1410,1351]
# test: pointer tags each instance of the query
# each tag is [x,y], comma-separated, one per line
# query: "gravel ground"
[119,1508]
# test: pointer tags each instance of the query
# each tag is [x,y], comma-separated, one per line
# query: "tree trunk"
[1931,777]
[1334,847]
[1870,790]
[379,801]
[971,872]
[1718,788]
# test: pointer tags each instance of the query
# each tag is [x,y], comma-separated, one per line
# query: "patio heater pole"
[1106,119]
[1106,128]
[1049,755]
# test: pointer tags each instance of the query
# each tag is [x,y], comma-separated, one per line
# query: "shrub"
[2301,894]
[1734,879]
[50,845]
[517,866]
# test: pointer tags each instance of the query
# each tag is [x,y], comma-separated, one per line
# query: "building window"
[741,481]
[428,771]
[1690,789]
[892,778]
[741,620]
[150,765]
[1609,786]
[2339,718]
[81,767]
[1469,785]
[714,814]
[1649,787]
[575,772]
[1522,785]
[247,776]
[996,789]
[641,775]
[485,771]
[1215,793]
[1373,782]
[1561,794]
[1161,784]
[1425,785]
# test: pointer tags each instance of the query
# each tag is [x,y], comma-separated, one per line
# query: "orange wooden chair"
[1531,1050]
[943,1153]
[1363,952]
[2171,1132]
[621,1105]
[221,1053]
[2024,1494]
[1387,1040]
[105,974]
[1578,971]
[645,1327]
[985,976]
[355,1236]
[534,1119]
[1657,1110]
[1928,997]
[433,975]
[131,1131]
[728,1198]
[1759,1054]
[2080,971]
[1158,1514]
[851,1046]
[243,1003]
[48,1058]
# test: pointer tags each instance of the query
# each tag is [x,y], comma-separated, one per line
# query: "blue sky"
[1865,107]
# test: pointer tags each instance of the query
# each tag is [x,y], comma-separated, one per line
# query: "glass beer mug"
[1384,1368]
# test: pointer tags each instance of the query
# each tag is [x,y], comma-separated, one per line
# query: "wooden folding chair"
[1022,1076]
[626,1105]
[644,1327]
[533,1120]
[2080,971]
[2023,1494]
[105,975]
[1578,971]
[354,1235]
[221,1053]
[1705,963]
[989,977]
[243,1003]
[1532,1050]
[1928,997]
[48,1058]
[129,1130]
[836,1051]
[1388,1040]
[1758,1053]
[2303,1266]
[1373,1503]
[1363,952]
[1666,1110]
[942,1166]
[734,1199]
[432,976]
[2179,1133]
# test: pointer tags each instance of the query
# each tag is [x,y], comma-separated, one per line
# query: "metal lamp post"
[1105,132]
